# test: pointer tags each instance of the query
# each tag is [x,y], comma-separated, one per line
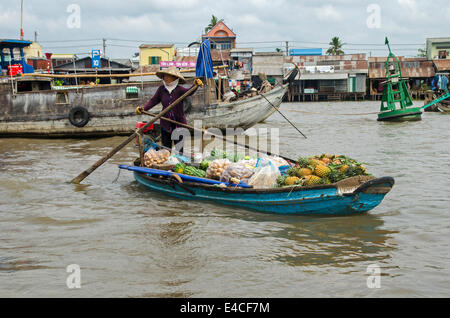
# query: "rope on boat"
[117,177]
[327,113]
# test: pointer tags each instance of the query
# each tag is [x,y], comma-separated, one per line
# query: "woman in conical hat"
[166,94]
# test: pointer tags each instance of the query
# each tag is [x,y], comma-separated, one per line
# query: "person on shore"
[166,94]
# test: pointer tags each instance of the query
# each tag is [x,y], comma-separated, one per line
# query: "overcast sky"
[306,24]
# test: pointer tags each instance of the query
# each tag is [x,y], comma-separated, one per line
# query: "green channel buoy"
[396,101]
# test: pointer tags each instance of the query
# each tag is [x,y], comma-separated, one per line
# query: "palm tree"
[336,47]
[421,53]
[212,23]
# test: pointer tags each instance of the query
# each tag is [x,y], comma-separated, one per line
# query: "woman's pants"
[166,140]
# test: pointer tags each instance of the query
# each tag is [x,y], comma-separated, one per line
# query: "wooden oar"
[102,160]
[218,136]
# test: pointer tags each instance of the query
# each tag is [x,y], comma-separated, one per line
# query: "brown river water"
[129,242]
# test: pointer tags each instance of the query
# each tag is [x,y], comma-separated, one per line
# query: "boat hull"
[406,114]
[444,107]
[38,113]
[319,200]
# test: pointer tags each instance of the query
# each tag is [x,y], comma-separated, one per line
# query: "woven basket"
[163,166]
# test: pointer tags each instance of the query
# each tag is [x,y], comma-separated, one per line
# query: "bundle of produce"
[204,165]
[189,170]
[233,157]
[249,162]
[322,169]
[153,157]
[238,172]
[216,168]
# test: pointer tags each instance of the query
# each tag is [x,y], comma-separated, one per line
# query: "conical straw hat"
[171,71]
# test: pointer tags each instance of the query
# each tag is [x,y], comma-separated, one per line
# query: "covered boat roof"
[6,43]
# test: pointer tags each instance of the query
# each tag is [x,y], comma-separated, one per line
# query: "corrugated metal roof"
[350,63]
[323,76]
[411,67]
[185,58]
[147,69]
[239,50]
[442,65]
[326,58]
[219,55]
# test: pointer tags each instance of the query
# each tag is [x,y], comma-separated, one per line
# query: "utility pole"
[287,48]
[35,36]
[21,19]
[104,47]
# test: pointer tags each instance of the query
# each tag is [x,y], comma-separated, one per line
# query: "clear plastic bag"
[265,176]
[172,160]
[216,168]
[238,172]
[278,161]
[153,157]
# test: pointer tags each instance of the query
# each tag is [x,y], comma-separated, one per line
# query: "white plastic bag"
[239,171]
[198,157]
[172,160]
[265,176]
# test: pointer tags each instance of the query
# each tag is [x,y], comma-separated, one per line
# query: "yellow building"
[33,50]
[152,54]
[438,48]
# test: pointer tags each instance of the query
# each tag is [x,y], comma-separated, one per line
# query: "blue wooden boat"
[354,195]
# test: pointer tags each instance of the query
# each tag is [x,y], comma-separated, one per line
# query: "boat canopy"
[7,56]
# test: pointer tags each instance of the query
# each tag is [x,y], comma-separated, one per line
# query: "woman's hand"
[139,110]
[198,82]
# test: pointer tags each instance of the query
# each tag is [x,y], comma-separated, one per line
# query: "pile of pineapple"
[321,169]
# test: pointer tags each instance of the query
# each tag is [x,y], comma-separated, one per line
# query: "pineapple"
[281,180]
[312,180]
[292,171]
[354,171]
[343,168]
[322,171]
[303,162]
[291,181]
[335,176]
[314,162]
[303,172]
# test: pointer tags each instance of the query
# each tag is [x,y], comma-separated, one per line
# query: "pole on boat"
[102,160]
[290,77]
[283,115]
[204,131]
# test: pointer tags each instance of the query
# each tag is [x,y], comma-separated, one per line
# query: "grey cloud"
[404,21]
